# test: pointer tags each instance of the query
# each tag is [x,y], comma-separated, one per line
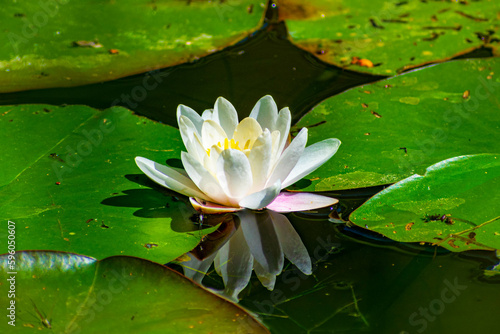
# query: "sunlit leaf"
[70,183]
[455,205]
[398,127]
[386,37]
[75,294]
[68,43]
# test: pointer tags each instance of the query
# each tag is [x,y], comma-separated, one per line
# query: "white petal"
[260,160]
[291,244]
[210,160]
[204,180]
[191,138]
[207,114]
[289,158]
[268,280]
[292,202]
[212,134]
[265,112]
[225,114]
[169,178]
[234,173]
[234,263]
[262,198]
[312,158]
[283,124]
[247,132]
[262,240]
[193,116]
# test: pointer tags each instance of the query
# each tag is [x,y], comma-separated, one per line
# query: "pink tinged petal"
[234,173]
[312,158]
[196,269]
[262,240]
[225,114]
[265,112]
[289,158]
[260,158]
[292,202]
[212,134]
[192,115]
[262,198]
[247,132]
[234,263]
[268,280]
[211,208]
[169,178]
[203,179]
[291,244]
[283,124]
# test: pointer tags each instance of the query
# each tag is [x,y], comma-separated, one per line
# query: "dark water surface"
[361,283]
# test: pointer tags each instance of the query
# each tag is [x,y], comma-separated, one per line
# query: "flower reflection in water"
[256,241]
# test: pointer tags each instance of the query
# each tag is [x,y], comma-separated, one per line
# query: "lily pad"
[66,43]
[75,187]
[455,205]
[387,37]
[76,294]
[397,127]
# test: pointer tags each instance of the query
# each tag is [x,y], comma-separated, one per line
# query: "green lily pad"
[76,294]
[75,187]
[397,127]
[392,35]
[66,43]
[455,205]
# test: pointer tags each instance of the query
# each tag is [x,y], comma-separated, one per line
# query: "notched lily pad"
[387,37]
[69,293]
[454,205]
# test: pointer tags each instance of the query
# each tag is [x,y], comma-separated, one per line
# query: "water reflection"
[248,240]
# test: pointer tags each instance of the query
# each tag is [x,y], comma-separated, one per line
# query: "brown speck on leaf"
[314,179]
[452,243]
[149,246]
[361,62]
[367,92]
[466,94]
[376,114]
[387,86]
[113,51]
[408,226]
[250,9]
[89,220]
[394,232]
[472,236]
[364,105]
[66,239]
[367,133]
[58,183]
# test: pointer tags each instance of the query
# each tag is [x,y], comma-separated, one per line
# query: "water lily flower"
[260,242]
[230,166]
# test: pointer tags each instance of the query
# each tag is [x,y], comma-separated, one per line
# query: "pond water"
[361,282]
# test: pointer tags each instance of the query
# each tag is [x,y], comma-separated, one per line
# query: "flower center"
[231,144]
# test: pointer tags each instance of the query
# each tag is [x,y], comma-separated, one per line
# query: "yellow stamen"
[230,144]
